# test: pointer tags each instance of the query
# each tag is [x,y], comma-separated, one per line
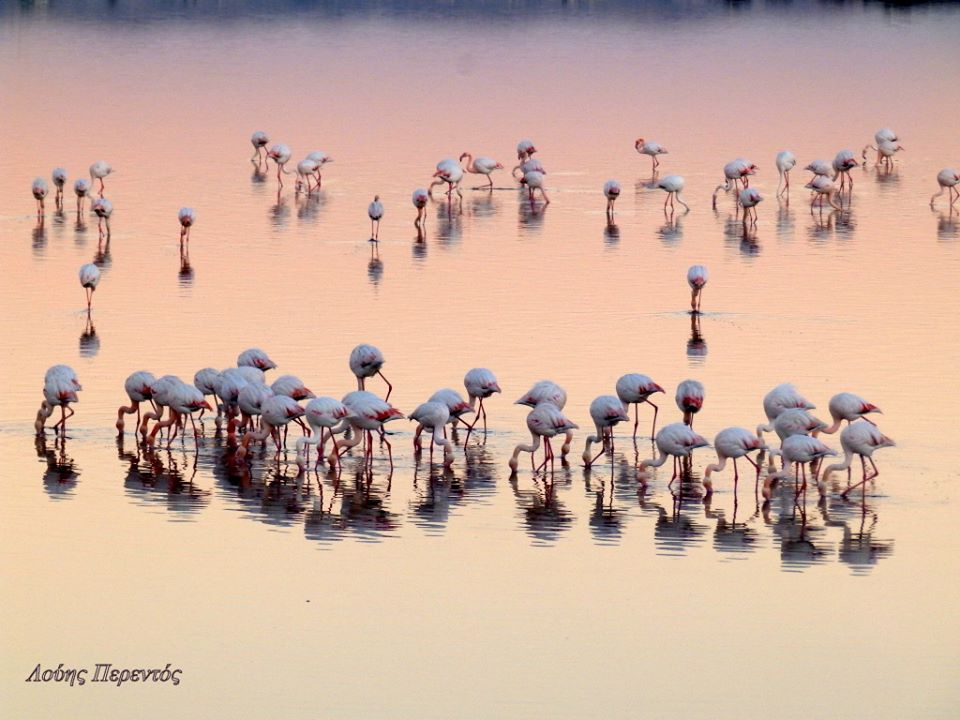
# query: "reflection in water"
[430,505]
[858,548]
[606,520]
[947,226]
[785,220]
[696,345]
[186,275]
[449,222]
[543,516]
[675,529]
[375,269]
[483,204]
[530,215]
[39,240]
[798,549]
[362,511]
[157,477]
[671,232]
[611,235]
[309,206]
[279,212]
[61,473]
[729,536]
[89,340]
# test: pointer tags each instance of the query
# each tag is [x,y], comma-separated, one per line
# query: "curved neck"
[532,447]
[654,462]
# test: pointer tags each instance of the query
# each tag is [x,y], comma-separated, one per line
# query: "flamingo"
[531,165]
[885,152]
[534,181]
[697,277]
[689,397]
[89,278]
[880,136]
[611,189]
[276,412]
[183,400]
[207,380]
[549,392]
[249,373]
[325,413]
[732,443]
[605,411]
[291,386]
[280,154]
[948,178]
[651,148]
[545,421]
[525,148]
[676,440]
[481,166]
[857,439]
[250,401]
[823,187]
[433,415]
[81,188]
[60,388]
[366,361]
[449,172]
[375,211]
[306,169]
[796,421]
[257,358]
[843,163]
[187,217]
[259,140]
[633,389]
[820,168]
[139,388]
[480,384]
[162,394]
[783,397]
[321,159]
[797,450]
[228,390]
[733,172]
[59,177]
[785,162]
[456,405]
[98,171]
[103,209]
[749,199]
[368,413]
[849,407]
[420,197]
[673,185]
[39,189]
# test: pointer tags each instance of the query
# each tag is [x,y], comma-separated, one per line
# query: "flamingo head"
[638,144]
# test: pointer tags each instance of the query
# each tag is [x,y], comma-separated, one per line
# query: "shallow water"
[468,594]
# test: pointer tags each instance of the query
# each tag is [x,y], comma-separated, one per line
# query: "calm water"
[471,594]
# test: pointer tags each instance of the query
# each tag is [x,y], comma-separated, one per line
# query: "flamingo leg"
[389,386]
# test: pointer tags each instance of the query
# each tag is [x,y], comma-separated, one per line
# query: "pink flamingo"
[368,413]
[732,443]
[948,179]
[782,397]
[433,415]
[480,384]
[255,357]
[481,166]
[785,162]
[651,148]
[673,186]
[420,198]
[697,277]
[857,439]
[611,189]
[545,421]
[676,440]
[849,407]
[259,140]
[605,411]
[276,411]
[689,397]
[366,361]
[797,450]
[326,414]
[138,387]
[633,389]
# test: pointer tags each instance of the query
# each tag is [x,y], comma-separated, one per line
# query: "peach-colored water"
[469,594]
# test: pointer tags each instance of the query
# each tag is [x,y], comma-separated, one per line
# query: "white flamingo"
[544,422]
[606,411]
[633,389]
[785,162]
[948,179]
[651,148]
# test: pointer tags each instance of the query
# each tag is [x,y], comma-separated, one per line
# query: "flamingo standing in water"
[480,384]
[820,168]
[449,172]
[676,440]
[545,421]
[280,154]
[823,187]
[207,380]
[749,199]
[59,177]
[689,397]
[651,148]
[276,412]
[139,388]
[433,415]
[849,407]
[605,411]
[732,443]
[368,413]
[843,163]
[534,181]
[885,151]
[367,361]
[420,198]
[481,166]
[857,439]
[797,450]
[525,150]
[375,212]
[98,171]
[948,178]
[323,414]
[547,391]
[883,135]
[697,277]
[783,397]
[531,165]
[103,209]
[734,172]
[633,389]
[81,188]
[187,217]
[611,189]
[60,388]
[259,140]
[183,401]
[673,185]
[306,170]
[89,279]
[39,190]
[785,162]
